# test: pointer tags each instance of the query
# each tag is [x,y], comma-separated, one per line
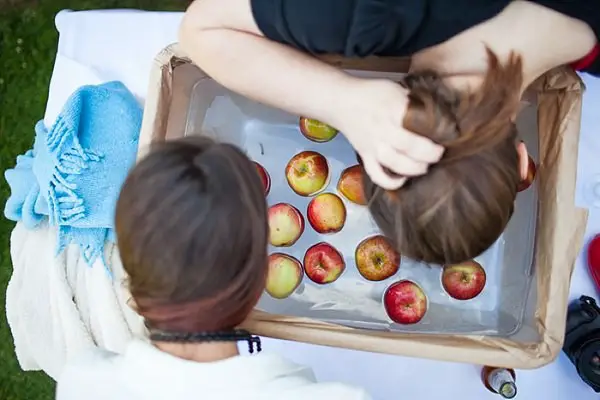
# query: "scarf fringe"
[70,158]
[89,249]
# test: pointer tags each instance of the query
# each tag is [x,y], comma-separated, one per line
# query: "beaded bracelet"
[236,335]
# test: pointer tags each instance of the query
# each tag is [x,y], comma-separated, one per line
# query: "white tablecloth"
[98,46]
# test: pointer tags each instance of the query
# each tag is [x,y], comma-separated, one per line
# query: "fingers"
[380,177]
[400,163]
[396,162]
[418,147]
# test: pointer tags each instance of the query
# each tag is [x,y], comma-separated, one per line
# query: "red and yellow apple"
[264,177]
[286,224]
[463,281]
[326,213]
[376,259]
[316,131]
[531,172]
[307,173]
[405,302]
[284,275]
[323,263]
[350,185]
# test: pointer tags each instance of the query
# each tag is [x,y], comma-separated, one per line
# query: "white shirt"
[144,372]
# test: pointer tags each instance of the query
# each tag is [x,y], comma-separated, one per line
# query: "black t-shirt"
[359,28]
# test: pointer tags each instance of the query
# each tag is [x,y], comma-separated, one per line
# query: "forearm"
[268,72]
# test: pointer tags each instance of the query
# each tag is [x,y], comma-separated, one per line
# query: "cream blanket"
[58,306]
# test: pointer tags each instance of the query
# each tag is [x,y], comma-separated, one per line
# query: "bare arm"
[222,37]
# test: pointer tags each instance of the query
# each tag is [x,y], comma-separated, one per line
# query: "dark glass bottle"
[501,381]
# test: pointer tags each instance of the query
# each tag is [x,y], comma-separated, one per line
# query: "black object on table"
[582,340]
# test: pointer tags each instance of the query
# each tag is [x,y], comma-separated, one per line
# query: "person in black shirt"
[262,49]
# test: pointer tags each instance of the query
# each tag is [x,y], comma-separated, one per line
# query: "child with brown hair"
[459,208]
[192,235]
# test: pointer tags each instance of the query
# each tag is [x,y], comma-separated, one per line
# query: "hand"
[371,116]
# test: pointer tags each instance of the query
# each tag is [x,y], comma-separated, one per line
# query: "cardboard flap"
[160,93]
[561,225]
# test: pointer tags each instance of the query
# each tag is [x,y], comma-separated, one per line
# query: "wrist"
[345,103]
[366,101]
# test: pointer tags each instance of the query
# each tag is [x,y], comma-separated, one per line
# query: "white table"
[98,46]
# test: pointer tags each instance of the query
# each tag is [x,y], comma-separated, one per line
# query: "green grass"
[28,40]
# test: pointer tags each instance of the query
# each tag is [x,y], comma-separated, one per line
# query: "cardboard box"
[560,224]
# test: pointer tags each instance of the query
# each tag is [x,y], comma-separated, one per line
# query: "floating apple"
[531,171]
[463,281]
[307,173]
[350,185]
[284,275]
[405,302]
[316,130]
[323,263]
[326,213]
[376,259]
[264,177]
[286,224]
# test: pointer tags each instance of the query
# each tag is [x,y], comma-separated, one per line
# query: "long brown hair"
[192,235]
[461,206]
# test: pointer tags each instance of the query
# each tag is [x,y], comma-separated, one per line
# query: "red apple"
[323,263]
[350,185]
[307,173]
[316,130]
[531,171]
[284,276]
[264,177]
[286,224]
[405,302]
[376,259]
[326,213]
[593,259]
[463,281]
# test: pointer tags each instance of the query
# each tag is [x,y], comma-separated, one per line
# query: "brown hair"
[192,234]
[462,205]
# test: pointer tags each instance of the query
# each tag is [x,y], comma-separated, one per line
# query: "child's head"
[462,205]
[192,235]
